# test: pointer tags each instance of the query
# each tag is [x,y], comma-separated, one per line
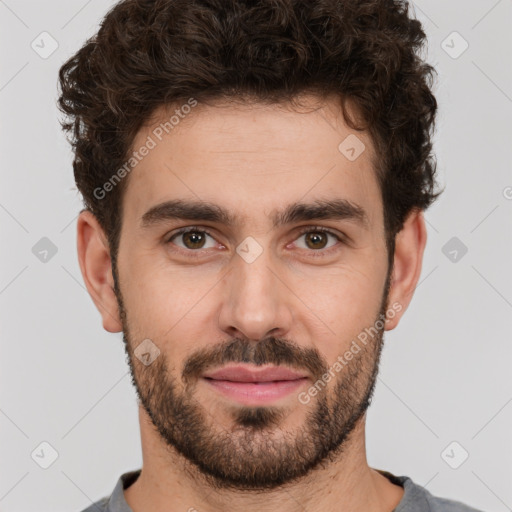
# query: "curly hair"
[149,53]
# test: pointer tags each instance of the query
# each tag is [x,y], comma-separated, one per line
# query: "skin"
[189,306]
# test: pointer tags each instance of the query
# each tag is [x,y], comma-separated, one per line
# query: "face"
[250,240]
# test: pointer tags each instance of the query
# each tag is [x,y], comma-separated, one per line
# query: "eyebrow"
[320,209]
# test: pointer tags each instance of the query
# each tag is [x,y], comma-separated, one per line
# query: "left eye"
[316,238]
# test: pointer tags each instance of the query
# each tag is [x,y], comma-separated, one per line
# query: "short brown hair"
[149,53]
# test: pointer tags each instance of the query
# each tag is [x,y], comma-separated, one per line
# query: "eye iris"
[196,237]
[315,236]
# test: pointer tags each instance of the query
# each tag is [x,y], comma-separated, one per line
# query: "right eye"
[192,238]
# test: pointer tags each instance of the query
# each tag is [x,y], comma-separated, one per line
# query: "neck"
[169,483]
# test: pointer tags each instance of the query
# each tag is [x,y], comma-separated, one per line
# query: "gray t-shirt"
[415,498]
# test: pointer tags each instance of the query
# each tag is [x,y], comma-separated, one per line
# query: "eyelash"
[308,229]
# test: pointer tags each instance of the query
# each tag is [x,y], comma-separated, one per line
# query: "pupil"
[316,236]
[195,235]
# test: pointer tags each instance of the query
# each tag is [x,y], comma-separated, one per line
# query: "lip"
[244,374]
[253,387]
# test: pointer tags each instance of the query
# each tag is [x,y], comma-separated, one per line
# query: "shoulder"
[446,505]
[116,501]
[98,506]
[423,500]
[418,499]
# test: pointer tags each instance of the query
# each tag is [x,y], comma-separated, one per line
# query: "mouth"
[254,386]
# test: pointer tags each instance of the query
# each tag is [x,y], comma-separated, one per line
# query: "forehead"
[252,159]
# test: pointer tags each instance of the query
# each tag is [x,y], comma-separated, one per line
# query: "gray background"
[445,373]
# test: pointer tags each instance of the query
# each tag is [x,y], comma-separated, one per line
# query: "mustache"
[270,350]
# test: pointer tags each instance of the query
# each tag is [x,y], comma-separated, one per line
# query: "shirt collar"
[414,497]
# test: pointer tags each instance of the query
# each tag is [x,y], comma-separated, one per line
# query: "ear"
[96,267]
[409,247]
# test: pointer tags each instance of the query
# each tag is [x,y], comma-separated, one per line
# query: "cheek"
[340,304]
[169,307]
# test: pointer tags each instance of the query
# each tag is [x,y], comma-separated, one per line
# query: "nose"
[257,302]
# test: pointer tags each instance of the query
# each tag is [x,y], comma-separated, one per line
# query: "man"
[254,177]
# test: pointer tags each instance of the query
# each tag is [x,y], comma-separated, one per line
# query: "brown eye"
[191,239]
[317,239]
